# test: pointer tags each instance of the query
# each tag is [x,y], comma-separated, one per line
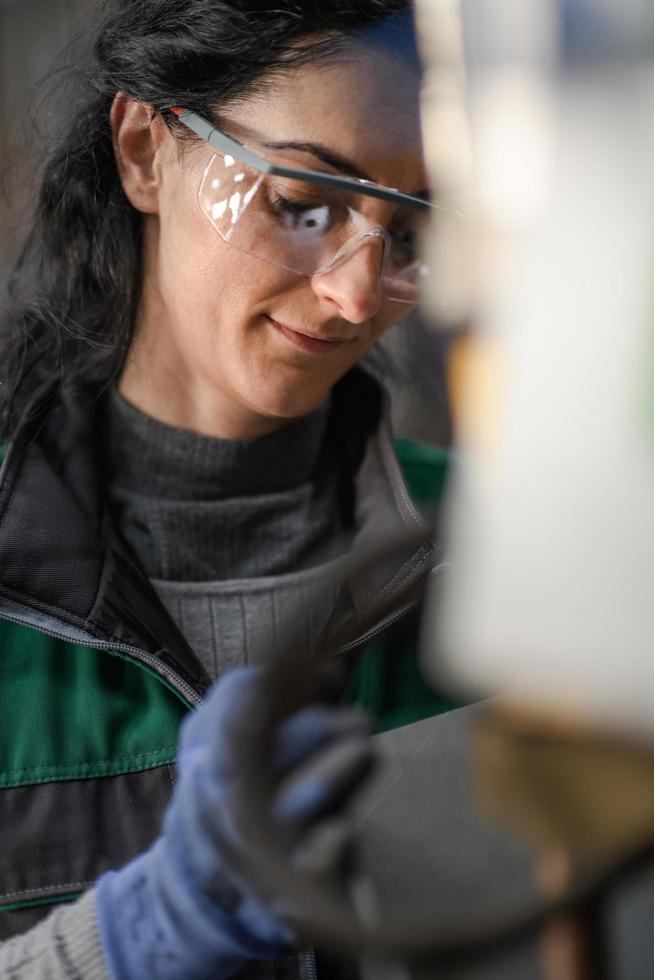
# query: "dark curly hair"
[72,297]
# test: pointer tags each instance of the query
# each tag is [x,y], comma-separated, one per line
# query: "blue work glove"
[187,909]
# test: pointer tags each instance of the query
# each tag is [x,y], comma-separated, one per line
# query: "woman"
[190,451]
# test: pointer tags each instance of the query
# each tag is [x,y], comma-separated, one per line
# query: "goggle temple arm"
[225,144]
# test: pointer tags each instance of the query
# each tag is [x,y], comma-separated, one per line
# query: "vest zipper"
[390,620]
[307,965]
[174,680]
[141,656]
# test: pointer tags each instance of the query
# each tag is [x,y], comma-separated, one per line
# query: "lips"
[309,342]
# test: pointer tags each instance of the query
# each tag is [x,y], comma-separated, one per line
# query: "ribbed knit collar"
[171,463]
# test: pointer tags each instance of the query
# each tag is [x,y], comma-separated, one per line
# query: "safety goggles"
[307,221]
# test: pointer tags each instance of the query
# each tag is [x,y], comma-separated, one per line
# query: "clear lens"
[309,229]
[226,191]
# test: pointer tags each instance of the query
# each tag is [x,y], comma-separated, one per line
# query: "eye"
[315,217]
[406,233]
[405,246]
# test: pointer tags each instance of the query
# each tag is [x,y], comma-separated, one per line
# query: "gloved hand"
[187,909]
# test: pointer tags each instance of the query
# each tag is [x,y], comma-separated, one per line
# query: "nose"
[354,285]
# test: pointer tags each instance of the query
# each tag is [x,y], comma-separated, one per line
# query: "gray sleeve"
[65,946]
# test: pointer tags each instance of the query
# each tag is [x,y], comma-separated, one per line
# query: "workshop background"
[33,33]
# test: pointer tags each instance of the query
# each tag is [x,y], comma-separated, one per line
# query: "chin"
[291,404]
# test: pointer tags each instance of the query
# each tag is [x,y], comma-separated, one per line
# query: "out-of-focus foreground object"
[551,522]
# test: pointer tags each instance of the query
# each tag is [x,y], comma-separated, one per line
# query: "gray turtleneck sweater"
[196,508]
[218,523]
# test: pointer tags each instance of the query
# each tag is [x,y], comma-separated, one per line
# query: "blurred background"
[33,33]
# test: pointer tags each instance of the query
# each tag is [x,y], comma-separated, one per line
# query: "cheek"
[197,272]
[212,273]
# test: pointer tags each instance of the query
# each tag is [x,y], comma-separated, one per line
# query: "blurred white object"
[551,517]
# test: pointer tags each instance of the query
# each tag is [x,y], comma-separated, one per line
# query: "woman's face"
[229,344]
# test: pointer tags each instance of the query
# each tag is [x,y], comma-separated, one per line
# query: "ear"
[137,138]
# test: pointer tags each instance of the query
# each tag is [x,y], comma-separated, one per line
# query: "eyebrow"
[323,153]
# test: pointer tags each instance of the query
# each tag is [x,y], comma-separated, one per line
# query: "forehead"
[365,107]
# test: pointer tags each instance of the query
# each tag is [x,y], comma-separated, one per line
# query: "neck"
[192,406]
